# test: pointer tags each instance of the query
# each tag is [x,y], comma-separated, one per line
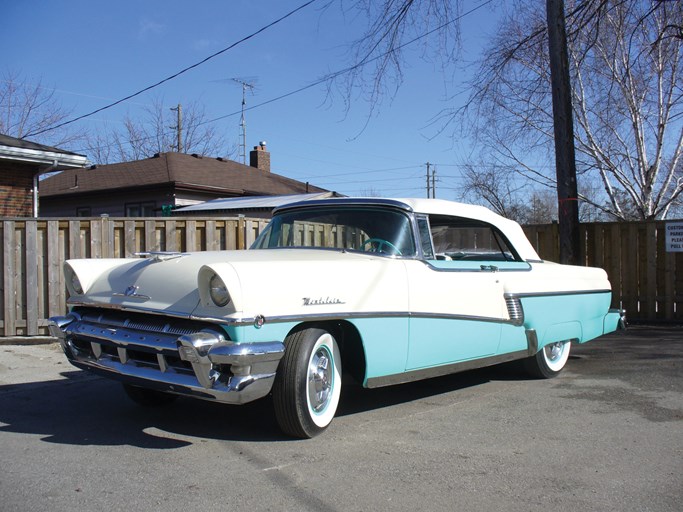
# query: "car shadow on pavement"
[84,409]
[356,399]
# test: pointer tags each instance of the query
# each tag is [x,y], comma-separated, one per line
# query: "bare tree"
[156,132]
[627,96]
[27,106]
[625,59]
[501,190]
[495,188]
[394,25]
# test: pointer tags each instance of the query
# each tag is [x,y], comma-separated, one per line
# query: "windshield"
[379,230]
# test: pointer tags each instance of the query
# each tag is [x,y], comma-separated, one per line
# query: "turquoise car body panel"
[547,315]
[397,344]
[435,341]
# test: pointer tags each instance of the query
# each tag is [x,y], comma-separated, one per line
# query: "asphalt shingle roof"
[13,142]
[185,171]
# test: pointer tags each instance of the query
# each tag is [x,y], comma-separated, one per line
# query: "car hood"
[260,282]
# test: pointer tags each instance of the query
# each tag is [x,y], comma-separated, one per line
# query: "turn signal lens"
[218,291]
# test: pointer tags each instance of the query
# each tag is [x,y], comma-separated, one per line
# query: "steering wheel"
[380,244]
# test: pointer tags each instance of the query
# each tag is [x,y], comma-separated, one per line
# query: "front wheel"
[549,361]
[308,383]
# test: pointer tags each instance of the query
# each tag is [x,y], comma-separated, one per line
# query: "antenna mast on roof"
[243,122]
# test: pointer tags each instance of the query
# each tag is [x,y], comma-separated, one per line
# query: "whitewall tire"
[308,383]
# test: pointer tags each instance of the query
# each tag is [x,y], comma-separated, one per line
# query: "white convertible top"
[512,231]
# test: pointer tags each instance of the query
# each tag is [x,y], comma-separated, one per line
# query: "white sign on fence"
[674,236]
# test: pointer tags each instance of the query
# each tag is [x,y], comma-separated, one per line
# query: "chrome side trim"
[345,315]
[245,321]
[478,269]
[438,371]
[555,294]
[511,298]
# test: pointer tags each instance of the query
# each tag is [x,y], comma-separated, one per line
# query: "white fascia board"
[64,160]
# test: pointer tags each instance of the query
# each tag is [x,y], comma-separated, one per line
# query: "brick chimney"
[259,157]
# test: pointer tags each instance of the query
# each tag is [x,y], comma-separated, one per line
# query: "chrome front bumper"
[202,364]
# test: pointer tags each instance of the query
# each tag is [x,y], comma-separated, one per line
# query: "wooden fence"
[647,281]
[34,251]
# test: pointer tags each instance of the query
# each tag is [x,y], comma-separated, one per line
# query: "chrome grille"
[139,322]
[135,339]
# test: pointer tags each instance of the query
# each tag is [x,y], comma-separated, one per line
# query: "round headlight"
[218,291]
[73,283]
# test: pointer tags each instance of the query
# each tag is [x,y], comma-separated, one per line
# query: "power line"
[363,62]
[365,181]
[365,171]
[175,75]
[331,76]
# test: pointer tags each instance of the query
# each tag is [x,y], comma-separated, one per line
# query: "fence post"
[9,278]
[241,233]
[31,277]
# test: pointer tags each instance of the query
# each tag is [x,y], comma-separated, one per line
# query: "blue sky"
[93,53]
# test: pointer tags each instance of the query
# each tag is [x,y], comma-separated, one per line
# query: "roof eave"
[34,156]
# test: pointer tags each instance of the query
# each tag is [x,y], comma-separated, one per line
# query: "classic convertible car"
[380,290]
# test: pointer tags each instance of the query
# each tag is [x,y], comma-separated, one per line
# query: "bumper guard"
[203,364]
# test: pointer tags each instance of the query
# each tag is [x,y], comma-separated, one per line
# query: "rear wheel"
[148,397]
[308,383]
[549,361]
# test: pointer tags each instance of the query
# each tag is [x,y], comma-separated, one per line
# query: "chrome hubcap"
[319,379]
[554,351]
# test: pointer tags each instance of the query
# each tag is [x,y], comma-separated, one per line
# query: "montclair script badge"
[328,301]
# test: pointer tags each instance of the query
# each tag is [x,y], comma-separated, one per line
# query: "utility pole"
[431,181]
[434,182]
[179,128]
[565,160]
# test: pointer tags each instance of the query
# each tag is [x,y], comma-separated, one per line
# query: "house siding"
[111,203]
[16,199]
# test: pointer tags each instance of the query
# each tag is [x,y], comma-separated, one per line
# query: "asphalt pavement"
[607,434]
